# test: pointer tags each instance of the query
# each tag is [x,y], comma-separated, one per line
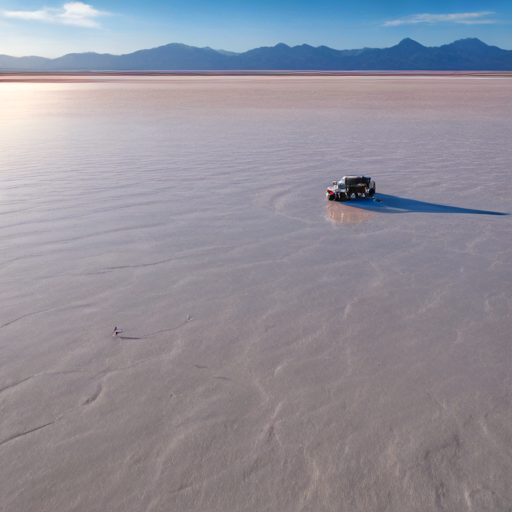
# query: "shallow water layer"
[280,352]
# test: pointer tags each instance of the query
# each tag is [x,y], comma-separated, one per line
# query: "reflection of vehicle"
[350,187]
[343,213]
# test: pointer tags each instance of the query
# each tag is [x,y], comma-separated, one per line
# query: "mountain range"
[462,55]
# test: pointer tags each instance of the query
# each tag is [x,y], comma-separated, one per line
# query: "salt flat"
[280,352]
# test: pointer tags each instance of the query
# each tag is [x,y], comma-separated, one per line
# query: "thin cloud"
[467,18]
[71,13]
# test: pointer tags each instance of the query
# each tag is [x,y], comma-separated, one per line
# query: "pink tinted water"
[279,352]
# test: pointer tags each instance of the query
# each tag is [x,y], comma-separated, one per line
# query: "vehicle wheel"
[371,192]
[330,197]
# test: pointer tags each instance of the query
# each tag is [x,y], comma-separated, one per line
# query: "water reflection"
[342,213]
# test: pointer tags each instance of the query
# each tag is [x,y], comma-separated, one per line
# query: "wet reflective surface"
[268,361]
[346,213]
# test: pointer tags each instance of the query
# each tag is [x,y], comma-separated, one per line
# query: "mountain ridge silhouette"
[469,54]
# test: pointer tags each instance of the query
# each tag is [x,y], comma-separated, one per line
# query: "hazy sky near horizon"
[51,28]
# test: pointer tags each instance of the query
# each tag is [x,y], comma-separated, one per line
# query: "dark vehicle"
[351,187]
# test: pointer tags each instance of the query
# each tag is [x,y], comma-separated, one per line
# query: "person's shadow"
[384,203]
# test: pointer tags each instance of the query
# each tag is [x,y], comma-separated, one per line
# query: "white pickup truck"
[351,187]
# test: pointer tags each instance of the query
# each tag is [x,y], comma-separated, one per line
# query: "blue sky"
[51,28]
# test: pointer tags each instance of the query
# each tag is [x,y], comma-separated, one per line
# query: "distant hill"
[462,55]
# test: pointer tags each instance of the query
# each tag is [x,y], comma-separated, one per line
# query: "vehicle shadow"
[384,203]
